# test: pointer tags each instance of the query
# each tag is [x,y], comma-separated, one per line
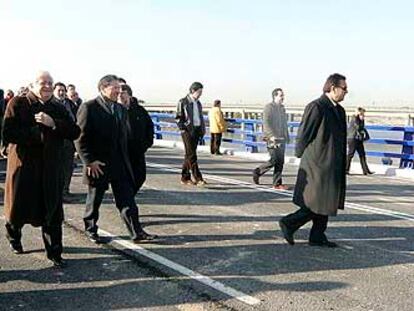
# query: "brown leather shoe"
[201,183]
[187,182]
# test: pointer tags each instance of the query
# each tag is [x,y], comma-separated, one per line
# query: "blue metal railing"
[249,134]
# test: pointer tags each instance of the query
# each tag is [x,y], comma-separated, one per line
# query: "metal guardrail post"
[157,126]
[243,116]
[410,120]
[250,137]
[407,150]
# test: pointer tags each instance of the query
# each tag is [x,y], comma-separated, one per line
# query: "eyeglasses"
[343,88]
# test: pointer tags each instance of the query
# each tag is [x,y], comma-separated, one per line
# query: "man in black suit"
[103,148]
[142,134]
[191,124]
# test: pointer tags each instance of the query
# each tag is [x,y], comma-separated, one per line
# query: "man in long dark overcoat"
[321,145]
[103,148]
[35,126]
[141,135]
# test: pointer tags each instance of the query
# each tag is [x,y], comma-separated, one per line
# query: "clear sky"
[240,50]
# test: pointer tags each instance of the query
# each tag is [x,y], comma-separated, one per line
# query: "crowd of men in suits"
[46,124]
[42,129]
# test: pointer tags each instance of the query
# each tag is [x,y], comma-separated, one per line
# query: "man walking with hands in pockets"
[276,135]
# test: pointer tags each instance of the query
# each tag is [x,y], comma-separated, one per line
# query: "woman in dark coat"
[357,134]
[321,145]
[35,126]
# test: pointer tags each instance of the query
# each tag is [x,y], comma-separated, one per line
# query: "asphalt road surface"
[220,248]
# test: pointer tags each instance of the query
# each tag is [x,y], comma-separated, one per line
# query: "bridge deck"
[226,232]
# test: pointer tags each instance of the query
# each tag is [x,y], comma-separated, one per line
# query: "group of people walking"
[111,133]
[321,144]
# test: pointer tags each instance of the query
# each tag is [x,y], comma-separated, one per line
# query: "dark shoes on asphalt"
[256,178]
[58,262]
[144,237]
[96,238]
[369,173]
[16,248]
[325,243]
[287,233]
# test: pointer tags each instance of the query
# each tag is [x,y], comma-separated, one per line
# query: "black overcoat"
[142,129]
[321,145]
[99,133]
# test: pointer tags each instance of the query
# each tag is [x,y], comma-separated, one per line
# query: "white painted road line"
[355,206]
[229,291]
[182,270]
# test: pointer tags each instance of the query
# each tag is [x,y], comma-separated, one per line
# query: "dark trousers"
[358,146]
[124,193]
[52,238]
[139,166]
[215,143]
[277,160]
[67,164]
[299,218]
[191,140]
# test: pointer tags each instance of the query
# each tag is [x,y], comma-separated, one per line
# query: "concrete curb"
[355,168]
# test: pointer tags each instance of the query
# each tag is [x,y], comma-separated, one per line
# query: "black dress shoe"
[143,236]
[325,243]
[16,248]
[256,178]
[96,238]
[58,262]
[287,234]
[369,173]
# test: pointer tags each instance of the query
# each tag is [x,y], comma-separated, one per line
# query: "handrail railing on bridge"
[248,129]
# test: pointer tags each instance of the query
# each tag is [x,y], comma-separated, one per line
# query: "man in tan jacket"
[217,127]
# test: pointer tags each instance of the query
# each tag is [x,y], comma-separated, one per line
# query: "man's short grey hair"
[42,73]
[106,80]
